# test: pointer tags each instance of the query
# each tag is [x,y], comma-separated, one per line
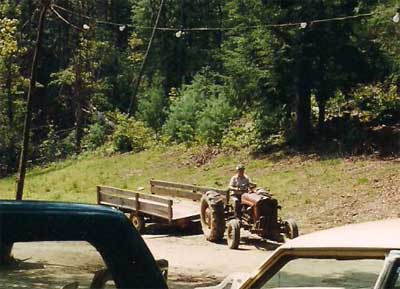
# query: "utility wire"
[59,16]
[176,29]
[143,66]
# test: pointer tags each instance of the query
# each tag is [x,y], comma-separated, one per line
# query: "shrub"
[201,111]
[67,145]
[215,119]
[269,123]
[130,134]
[182,119]
[151,108]
[8,151]
[379,101]
[184,111]
[241,134]
[55,146]
[96,136]
[50,148]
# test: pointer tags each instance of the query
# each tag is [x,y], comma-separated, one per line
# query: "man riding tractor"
[239,184]
[243,207]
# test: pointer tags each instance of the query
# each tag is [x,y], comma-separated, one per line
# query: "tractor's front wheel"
[212,216]
[291,229]
[233,234]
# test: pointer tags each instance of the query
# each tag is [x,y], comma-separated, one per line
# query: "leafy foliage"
[130,135]
[184,111]
[12,87]
[152,108]
[202,110]
[96,135]
[215,119]
[376,102]
[198,86]
[241,134]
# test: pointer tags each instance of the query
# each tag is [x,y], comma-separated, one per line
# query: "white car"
[365,255]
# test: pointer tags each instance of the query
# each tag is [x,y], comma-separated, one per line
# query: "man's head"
[240,169]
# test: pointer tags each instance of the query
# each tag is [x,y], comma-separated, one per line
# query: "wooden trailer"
[169,203]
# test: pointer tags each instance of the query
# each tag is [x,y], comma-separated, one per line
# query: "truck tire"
[138,221]
[233,234]
[291,229]
[212,216]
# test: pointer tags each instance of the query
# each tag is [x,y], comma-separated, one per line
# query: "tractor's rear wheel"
[291,229]
[233,234]
[138,221]
[212,216]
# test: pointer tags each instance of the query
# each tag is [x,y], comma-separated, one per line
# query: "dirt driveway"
[195,262]
[192,261]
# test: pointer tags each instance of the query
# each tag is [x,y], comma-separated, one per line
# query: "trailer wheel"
[212,216]
[138,221]
[291,229]
[233,234]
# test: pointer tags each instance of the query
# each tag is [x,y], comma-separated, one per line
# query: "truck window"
[54,265]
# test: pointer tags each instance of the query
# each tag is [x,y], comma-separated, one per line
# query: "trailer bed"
[185,209]
[168,210]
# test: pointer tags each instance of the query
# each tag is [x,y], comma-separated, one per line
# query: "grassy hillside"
[318,192]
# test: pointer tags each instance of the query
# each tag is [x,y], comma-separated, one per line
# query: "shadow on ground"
[161,231]
[25,274]
[186,281]
[191,229]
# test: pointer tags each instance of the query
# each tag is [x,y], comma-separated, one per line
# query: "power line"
[142,67]
[302,24]
[64,20]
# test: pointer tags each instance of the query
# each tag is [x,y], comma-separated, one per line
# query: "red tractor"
[258,213]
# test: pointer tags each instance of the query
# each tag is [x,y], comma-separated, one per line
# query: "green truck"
[40,231]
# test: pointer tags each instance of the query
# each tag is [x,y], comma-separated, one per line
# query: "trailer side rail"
[132,201]
[177,190]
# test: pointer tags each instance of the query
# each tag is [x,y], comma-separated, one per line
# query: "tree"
[28,115]
[12,87]
[385,34]
[293,64]
[178,55]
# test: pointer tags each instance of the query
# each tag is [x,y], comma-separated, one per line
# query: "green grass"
[310,189]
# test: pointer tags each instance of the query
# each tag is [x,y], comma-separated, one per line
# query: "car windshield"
[55,265]
[326,273]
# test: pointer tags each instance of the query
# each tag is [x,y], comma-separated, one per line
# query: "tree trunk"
[321,115]
[28,115]
[303,121]
[78,104]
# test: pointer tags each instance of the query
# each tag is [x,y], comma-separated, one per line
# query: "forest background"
[260,75]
